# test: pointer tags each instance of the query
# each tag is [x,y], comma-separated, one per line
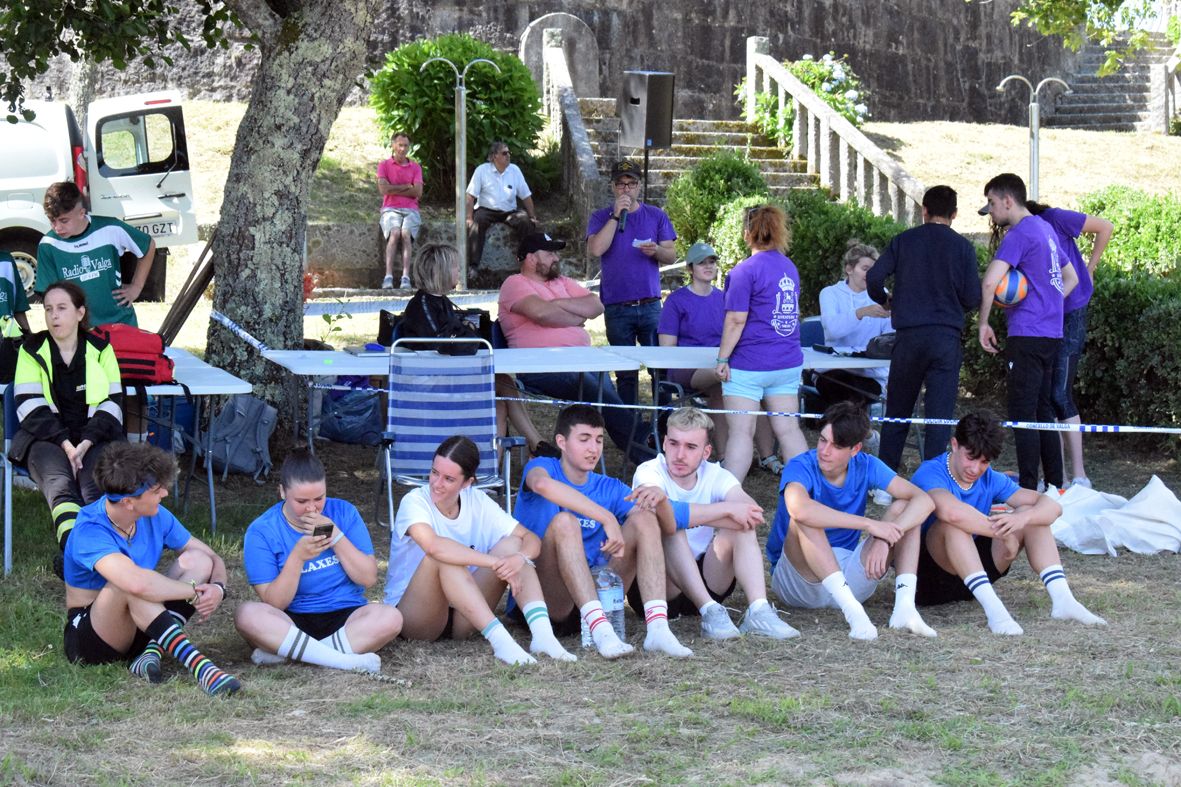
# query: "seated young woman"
[452,553]
[431,314]
[69,402]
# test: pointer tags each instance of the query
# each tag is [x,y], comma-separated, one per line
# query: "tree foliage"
[114,31]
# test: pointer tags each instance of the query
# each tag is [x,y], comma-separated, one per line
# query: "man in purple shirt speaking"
[633,240]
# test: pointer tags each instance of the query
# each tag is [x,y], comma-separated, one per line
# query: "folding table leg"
[209,468]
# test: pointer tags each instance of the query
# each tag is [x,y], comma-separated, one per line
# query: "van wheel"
[24,254]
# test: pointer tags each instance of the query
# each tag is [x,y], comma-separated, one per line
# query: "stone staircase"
[692,141]
[1119,102]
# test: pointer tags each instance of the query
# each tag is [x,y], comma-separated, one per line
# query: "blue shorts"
[758,385]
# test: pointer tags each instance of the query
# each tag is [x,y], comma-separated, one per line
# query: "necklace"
[951,473]
[129,533]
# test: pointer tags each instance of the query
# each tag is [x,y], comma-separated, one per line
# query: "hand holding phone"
[322,531]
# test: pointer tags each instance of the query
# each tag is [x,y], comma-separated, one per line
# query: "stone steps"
[1119,102]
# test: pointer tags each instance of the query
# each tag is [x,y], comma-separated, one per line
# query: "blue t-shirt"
[94,537]
[535,512]
[1032,247]
[865,474]
[324,586]
[992,487]
[1068,224]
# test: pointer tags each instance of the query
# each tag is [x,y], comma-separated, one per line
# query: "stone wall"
[921,59]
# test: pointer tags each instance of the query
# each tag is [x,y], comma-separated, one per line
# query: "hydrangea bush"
[830,77]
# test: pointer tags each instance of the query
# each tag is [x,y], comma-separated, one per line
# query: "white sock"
[299,646]
[705,607]
[660,637]
[504,647]
[999,619]
[544,641]
[609,645]
[338,641]
[757,604]
[1064,606]
[264,658]
[860,626]
[906,614]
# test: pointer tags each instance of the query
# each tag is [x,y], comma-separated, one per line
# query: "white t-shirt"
[714,482]
[480,525]
[498,190]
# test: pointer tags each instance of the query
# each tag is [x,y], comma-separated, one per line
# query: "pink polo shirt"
[523,332]
[399,175]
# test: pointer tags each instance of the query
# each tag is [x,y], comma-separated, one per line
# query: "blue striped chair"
[433,396]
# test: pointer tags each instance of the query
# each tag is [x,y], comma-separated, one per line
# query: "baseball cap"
[699,252]
[538,241]
[983,211]
[625,167]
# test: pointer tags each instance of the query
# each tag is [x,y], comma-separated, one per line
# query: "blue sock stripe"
[490,628]
[1049,576]
[976,580]
[535,612]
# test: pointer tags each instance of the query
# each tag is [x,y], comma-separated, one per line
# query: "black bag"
[387,327]
[353,417]
[435,317]
[880,347]
[242,433]
[9,348]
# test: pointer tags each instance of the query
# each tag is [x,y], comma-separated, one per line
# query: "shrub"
[726,233]
[1145,237]
[542,167]
[503,106]
[693,199]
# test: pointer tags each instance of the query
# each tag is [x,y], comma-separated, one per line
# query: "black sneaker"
[59,566]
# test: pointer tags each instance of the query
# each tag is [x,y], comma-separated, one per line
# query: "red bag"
[140,354]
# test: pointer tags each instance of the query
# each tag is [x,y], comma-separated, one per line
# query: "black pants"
[483,218]
[65,493]
[928,356]
[842,385]
[1031,398]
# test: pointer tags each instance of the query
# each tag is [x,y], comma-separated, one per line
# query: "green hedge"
[694,198]
[1147,233]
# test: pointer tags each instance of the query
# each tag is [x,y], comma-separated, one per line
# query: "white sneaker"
[765,622]
[771,464]
[716,624]
[882,498]
[1082,481]
[405,285]
[873,442]
[387,283]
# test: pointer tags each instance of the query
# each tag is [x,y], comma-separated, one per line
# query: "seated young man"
[815,544]
[705,564]
[965,548]
[309,558]
[576,513]
[118,606]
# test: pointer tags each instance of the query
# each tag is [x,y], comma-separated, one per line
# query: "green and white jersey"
[12,293]
[91,260]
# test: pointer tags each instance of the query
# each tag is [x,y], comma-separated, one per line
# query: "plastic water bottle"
[609,586]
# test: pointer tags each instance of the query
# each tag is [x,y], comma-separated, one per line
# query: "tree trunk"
[310,59]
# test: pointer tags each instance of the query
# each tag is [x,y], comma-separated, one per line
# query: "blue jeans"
[629,326]
[1074,338]
[584,386]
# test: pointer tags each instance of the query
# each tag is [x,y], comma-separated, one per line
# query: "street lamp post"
[1034,121]
[460,155]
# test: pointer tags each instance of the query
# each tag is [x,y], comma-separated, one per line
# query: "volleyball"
[1011,290]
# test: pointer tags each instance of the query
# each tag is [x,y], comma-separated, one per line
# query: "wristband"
[723,360]
[196,596]
[224,593]
[614,217]
[528,562]
[339,536]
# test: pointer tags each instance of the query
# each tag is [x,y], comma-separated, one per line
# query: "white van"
[132,163]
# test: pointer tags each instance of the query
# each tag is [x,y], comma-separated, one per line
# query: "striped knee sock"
[338,641]
[174,642]
[1064,605]
[64,515]
[999,619]
[147,664]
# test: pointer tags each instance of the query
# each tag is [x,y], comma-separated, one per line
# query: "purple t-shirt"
[766,286]
[627,273]
[1068,224]
[696,320]
[1032,247]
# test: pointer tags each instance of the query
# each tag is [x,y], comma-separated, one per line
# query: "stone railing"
[588,189]
[1170,91]
[846,161]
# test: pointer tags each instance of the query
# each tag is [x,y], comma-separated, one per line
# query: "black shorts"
[319,625]
[680,604]
[936,586]
[82,645]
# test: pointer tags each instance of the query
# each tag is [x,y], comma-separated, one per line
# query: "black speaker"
[646,110]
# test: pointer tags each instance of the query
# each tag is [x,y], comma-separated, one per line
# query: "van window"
[141,143]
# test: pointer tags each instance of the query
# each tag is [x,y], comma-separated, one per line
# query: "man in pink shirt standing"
[539,307]
[400,182]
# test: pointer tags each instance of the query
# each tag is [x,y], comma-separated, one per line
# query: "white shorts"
[795,591]
[400,219]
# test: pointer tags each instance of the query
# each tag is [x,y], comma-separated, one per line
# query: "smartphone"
[321,531]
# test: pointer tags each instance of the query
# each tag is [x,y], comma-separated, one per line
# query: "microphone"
[622,219]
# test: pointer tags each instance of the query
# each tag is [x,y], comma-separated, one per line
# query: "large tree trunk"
[311,56]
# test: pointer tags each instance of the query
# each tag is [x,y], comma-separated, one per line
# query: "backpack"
[242,432]
[354,417]
[140,353]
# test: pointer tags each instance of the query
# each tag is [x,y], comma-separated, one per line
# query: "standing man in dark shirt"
[936,280]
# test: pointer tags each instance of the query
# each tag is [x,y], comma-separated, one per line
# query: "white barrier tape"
[396,305]
[238,331]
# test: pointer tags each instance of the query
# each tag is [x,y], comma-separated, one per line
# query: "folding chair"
[432,397]
[10,427]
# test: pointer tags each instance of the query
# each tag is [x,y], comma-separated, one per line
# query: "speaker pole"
[644,193]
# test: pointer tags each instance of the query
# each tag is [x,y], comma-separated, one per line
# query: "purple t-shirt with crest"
[766,286]
[1032,247]
[1068,224]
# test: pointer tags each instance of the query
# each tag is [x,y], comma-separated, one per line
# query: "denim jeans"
[1074,338]
[585,386]
[629,326]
